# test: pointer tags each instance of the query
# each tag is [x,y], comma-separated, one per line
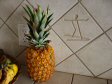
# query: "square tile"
[107,75]
[77,28]
[58,7]
[97,55]
[87,80]
[73,65]
[101,11]
[9,42]
[109,82]
[17,18]
[7,7]
[59,78]
[24,78]
[110,33]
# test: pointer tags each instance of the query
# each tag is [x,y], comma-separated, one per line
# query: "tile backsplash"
[81,34]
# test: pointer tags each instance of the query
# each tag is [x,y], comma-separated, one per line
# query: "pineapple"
[39,55]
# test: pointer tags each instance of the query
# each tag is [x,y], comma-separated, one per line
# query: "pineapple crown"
[38,24]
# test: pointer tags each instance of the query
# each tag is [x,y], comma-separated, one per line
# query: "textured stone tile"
[9,42]
[24,78]
[86,31]
[17,18]
[87,80]
[101,10]
[107,75]
[97,55]
[57,7]
[59,78]
[7,7]
[110,33]
[73,65]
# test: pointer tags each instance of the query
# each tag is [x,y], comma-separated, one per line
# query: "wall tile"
[87,27]
[7,7]
[97,55]
[110,33]
[9,42]
[17,18]
[101,10]
[73,65]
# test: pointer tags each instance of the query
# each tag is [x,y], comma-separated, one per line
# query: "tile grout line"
[9,17]
[72,79]
[95,21]
[21,52]
[93,40]
[104,72]
[65,59]
[74,53]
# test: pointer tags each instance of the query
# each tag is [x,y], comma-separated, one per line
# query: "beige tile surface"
[88,28]
[58,7]
[107,75]
[24,78]
[97,55]
[7,7]
[87,80]
[9,42]
[110,33]
[101,10]
[73,65]
[17,18]
[59,78]
[61,50]
[109,82]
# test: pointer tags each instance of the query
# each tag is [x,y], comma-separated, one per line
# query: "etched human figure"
[78,27]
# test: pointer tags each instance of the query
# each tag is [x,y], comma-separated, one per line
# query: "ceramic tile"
[87,80]
[110,33]
[101,10]
[109,82]
[1,22]
[77,34]
[7,7]
[59,78]
[21,58]
[73,65]
[17,18]
[107,75]
[97,55]
[57,7]
[9,42]
[24,78]
[61,50]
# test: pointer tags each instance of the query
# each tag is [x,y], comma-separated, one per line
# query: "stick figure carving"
[73,37]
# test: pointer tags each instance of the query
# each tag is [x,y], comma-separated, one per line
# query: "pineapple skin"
[40,63]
